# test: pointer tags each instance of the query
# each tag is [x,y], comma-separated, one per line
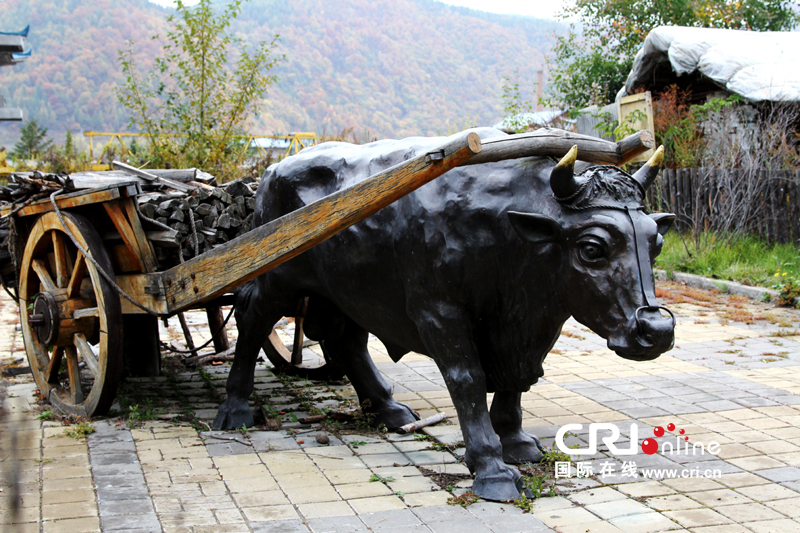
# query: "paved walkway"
[733,379]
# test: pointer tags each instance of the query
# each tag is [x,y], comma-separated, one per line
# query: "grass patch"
[465,500]
[78,431]
[750,260]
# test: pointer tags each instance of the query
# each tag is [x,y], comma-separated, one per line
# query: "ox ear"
[534,228]
[664,221]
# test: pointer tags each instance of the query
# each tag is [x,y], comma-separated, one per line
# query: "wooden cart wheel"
[285,362]
[69,318]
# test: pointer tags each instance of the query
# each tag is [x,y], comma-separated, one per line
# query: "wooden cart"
[77,285]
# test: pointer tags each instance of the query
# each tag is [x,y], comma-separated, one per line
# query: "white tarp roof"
[759,66]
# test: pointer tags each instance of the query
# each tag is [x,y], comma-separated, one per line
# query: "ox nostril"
[654,328]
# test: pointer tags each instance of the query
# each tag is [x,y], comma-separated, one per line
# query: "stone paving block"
[363,490]
[385,459]
[325,509]
[244,486]
[454,468]
[66,496]
[315,494]
[279,526]
[75,483]
[644,523]
[692,484]
[779,475]
[115,459]
[116,507]
[566,517]
[336,524]
[617,508]
[71,525]
[672,502]
[409,485]
[429,457]
[695,518]
[426,499]
[377,504]
[603,494]
[766,493]
[742,479]
[243,472]
[772,526]
[59,511]
[118,470]
[271,513]
[471,523]
[748,512]
[714,498]
[516,523]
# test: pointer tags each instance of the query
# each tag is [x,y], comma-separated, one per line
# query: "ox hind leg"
[349,350]
[254,321]
[506,414]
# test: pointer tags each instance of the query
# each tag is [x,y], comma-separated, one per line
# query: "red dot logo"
[649,446]
[682,431]
[671,426]
[659,431]
[686,438]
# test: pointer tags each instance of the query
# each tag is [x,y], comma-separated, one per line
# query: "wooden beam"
[548,142]
[126,232]
[214,273]
[146,251]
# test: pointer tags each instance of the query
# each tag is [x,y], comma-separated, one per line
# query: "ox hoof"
[393,415]
[521,448]
[233,414]
[504,486]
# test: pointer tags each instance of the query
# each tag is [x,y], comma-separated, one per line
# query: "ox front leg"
[448,341]
[254,326]
[506,414]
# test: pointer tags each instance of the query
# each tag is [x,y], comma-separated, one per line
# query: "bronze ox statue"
[478,269]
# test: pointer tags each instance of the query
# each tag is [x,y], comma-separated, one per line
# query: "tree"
[195,103]
[590,66]
[32,142]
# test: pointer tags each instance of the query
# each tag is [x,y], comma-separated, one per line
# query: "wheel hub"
[45,320]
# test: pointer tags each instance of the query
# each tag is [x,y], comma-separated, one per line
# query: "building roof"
[759,66]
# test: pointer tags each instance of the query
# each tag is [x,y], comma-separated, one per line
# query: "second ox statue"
[478,269]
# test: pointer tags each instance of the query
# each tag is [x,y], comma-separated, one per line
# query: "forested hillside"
[391,67]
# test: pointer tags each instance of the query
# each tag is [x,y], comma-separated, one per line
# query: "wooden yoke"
[216,272]
[555,143]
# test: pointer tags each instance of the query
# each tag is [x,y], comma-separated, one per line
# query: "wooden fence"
[766,204]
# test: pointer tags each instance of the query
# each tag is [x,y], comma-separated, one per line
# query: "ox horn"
[562,178]
[647,174]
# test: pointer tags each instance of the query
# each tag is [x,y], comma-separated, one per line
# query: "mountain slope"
[392,67]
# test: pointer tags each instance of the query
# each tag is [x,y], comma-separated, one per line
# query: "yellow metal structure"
[297,141]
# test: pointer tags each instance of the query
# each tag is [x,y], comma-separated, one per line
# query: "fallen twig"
[419,424]
[219,437]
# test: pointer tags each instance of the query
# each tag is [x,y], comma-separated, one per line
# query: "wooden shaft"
[556,143]
[216,272]
[187,334]
[216,322]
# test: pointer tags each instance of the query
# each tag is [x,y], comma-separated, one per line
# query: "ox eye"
[592,251]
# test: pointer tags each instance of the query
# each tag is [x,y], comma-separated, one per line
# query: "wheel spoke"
[85,313]
[74,375]
[55,365]
[60,256]
[86,353]
[75,280]
[45,280]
